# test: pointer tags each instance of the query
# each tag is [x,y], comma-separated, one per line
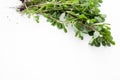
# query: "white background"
[31,51]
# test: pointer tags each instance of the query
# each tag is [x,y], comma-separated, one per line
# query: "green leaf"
[37,19]
[84,16]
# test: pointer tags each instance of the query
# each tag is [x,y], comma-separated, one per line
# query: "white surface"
[31,51]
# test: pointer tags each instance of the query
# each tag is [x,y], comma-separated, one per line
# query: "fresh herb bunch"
[83,15]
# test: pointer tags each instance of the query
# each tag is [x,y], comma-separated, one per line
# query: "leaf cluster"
[83,15]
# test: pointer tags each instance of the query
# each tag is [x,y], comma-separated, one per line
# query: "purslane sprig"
[83,15]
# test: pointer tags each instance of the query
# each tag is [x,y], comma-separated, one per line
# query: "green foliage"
[83,15]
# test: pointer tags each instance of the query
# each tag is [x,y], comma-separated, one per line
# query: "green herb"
[83,15]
